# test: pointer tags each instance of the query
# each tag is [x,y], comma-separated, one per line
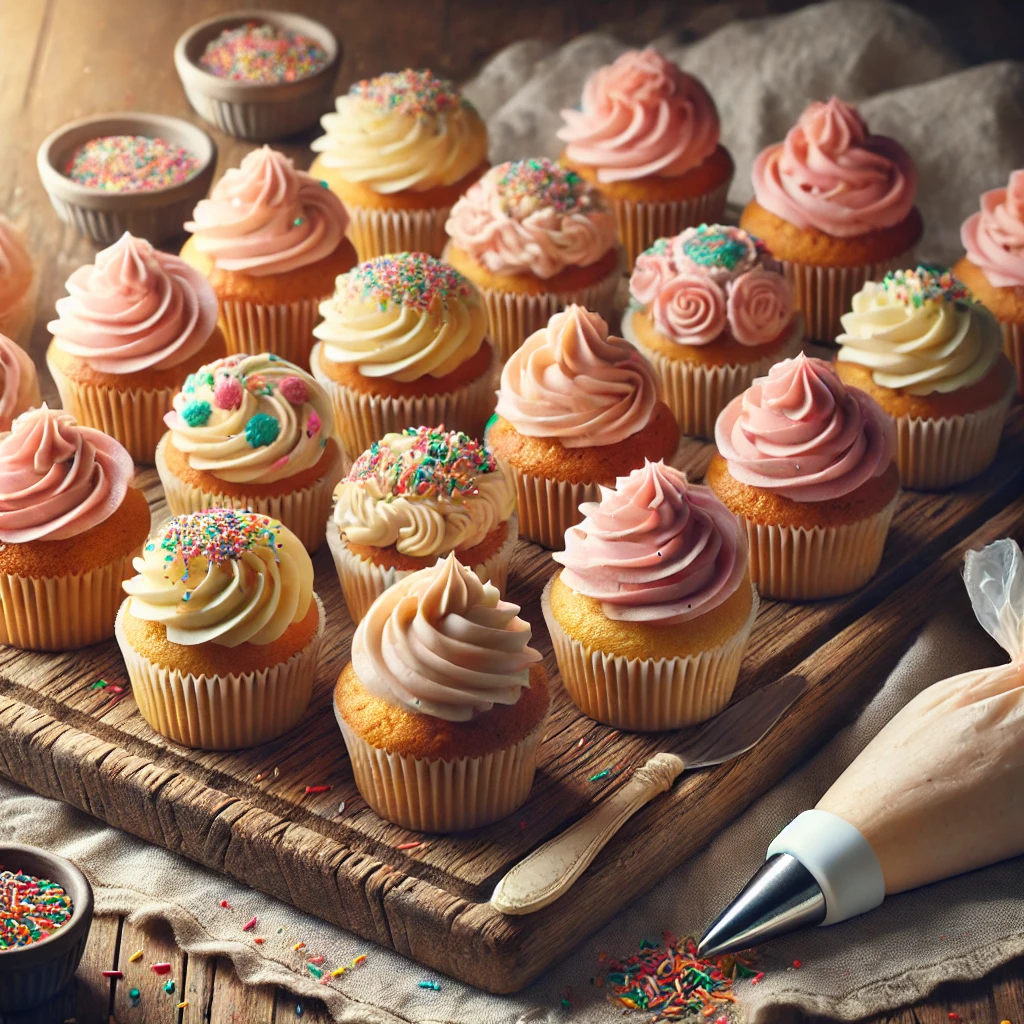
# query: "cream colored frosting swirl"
[426,491]
[15,265]
[918,331]
[19,385]
[251,419]
[572,382]
[223,577]
[403,316]
[441,643]
[402,130]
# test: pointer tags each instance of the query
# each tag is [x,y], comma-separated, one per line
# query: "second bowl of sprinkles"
[259,75]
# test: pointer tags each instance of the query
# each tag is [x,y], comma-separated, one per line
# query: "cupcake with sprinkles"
[414,497]
[399,150]
[534,237]
[252,432]
[221,629]
[19,284]
[402,343]
[270,240]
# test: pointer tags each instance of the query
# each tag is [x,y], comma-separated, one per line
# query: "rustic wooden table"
[61,59]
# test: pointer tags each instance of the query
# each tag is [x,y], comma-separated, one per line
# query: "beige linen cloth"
[966,130]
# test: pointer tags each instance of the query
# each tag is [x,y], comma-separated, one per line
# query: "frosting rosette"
[760,306]
[402,316]
[918,331]
[15,266]
[222,576]
[402,130]
[58,479]
[574,383]
[801,433]
[265,217]
[441,643]
[653,269]
[19,386]
[134,309]
[425,491]
[641,116]
[831,174]
[655,549]
[690,308]
[251,419]
[994,237]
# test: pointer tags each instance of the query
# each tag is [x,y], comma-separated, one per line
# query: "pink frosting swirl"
[19,385]
[572,382]
[265,217]
[652,270]
[15,265]
[134,309]
[994,237]
[801,433]
[832,175]
[760,306]
[690,309]
[58,479]
[640,116]
[655,549]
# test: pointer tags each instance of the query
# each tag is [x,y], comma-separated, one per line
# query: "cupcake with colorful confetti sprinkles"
[414,497]
[19,285]
[221,629]
[399,150]
[252,432]
[402,343]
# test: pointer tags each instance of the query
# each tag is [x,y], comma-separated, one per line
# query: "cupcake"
[400,149]
[808,465]
[534,237]
[576,409]
[402,344]
[443,702]
[835,205]
[257,433]
[711,312]
[271,240]
[412,498]
[646,135]
[19,384]
[933,359]
[221,629]
[132,327]
[652,611]
[19,285]
[993,269]
[70,523]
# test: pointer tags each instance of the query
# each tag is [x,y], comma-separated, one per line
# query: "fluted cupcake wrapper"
[547,507]
[363,581]
[1013,346]
[222,712]
[647,694]
[283,329]
[376,232]
[17,321]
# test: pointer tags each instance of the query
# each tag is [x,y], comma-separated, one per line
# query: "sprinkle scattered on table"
[135,957]
[169,986]
[113,974]
[318,789]
[161,968]
[407,846]
[250,924]
[130,163]
[434,986]
[30,909]
[262,54]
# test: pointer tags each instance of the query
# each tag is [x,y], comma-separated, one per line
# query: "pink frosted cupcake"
[646,135]
[19,385]
[19,285]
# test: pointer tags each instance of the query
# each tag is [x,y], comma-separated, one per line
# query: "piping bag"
[939,791]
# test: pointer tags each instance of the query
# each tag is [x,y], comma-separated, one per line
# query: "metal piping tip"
[782,897]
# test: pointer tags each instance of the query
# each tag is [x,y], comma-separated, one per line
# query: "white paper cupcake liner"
[547,508]
[284,329]
[17,321]
[222,712]
[649,694]
[376,232]
[1013,346]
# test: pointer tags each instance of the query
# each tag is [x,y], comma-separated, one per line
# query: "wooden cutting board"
[246,813]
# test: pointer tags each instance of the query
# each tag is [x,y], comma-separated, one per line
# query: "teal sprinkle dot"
[297,222]
[169,987]
[262,430]
[195,414]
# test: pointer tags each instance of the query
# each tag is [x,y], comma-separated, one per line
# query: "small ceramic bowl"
[259,112]
[156,214]
[30,976]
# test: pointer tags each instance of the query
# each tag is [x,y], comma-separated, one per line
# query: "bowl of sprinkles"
[142,173]
[259,75]
[45,916]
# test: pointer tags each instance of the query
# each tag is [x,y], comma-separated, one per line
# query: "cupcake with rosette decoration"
[646,135]
[399,150]
[253,432]
[19,383]
[271,241]
[835,205]
[652,610]
[932,358]
[808,465]
[221,629]
[403,343]
[711,311]
[443,704]
[577,408]
[414,497]
[534,237]
[132,327]
[70,524]
[19,285]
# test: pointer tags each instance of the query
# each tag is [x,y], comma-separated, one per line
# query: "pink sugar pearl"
[294,389]
[227,393]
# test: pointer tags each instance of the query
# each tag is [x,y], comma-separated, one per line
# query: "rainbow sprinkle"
[130,163]
[660,247]
[528,185]
[720,245]
[31,909]
[262,54]
[411,279]
[219,535]
[924,285]
[413,93]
